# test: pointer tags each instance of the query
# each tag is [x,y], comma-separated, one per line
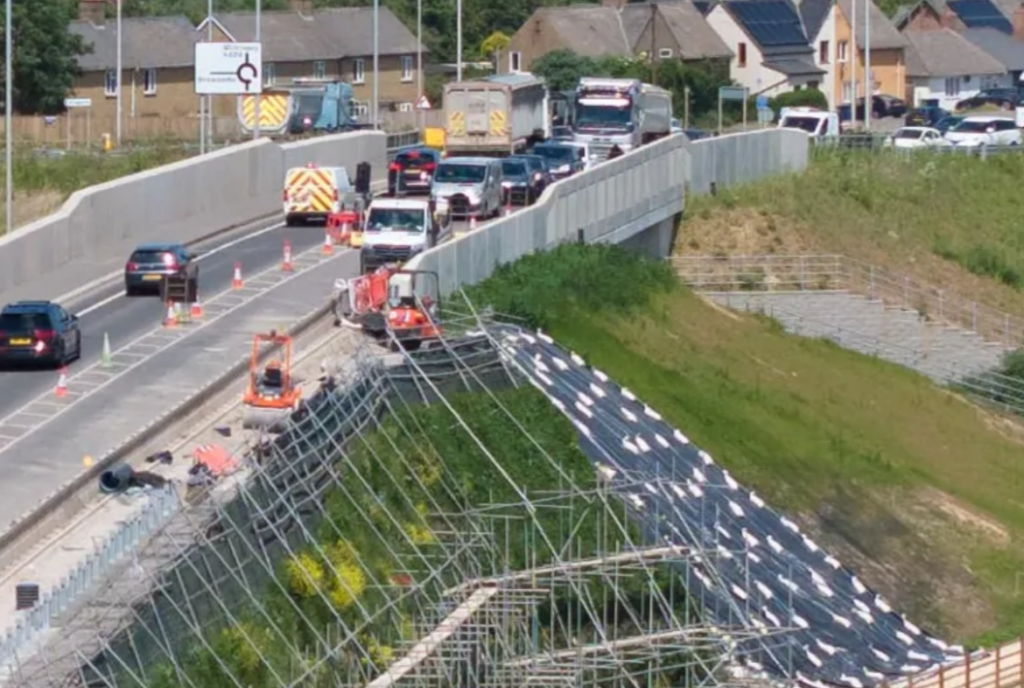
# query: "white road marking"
[212,252]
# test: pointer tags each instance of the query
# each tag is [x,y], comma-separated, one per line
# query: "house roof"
[977,14]
[883,34]
[1005,7]
[945,53]
[769,23]
[813,13]
[326,34]
[149,42]
[596,30]
[1006,49]
[793,65]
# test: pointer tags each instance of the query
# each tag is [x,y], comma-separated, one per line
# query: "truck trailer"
[307,105]
[498,115]
[620,112]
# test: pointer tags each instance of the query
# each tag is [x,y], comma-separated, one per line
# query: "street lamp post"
[259,86]
[419,62]
[120,41]
[458,40]
[375,112]
[8,120]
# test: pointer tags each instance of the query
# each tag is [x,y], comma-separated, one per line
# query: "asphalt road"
[108,311]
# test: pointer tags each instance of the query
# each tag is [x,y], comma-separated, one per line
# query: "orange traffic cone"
[328,243]
[236,282]
[508,206]
[286,262]
[196,311]
[346,233]
[62,384]
[171,319]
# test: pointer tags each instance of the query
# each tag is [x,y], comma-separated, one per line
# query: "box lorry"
[620,112]
[495,116]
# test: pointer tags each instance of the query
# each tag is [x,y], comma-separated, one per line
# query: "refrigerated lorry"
[498,115]
[620,112]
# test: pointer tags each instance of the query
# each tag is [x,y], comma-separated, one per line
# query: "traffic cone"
[508,205]
[196,309]
[328,243]
[286,261]
[106,359]
[236,281]
[171,319]
[472,223]
[346,234]
[62,384]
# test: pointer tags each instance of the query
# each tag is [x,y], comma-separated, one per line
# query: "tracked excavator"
[271,396]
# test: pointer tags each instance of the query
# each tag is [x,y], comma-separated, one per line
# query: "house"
[772,54]
[157,54]
[943,67]
[1007,49]
[833,37]
[334,43]
[926,15]
[665,31]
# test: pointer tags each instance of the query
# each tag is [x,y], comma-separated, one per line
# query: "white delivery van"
[817,123]
[395,230]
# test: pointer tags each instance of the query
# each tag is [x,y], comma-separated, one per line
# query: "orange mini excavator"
[271,396]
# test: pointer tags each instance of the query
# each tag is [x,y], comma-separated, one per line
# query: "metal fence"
[877,143]
[782,273]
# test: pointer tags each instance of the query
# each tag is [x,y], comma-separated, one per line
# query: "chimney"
[92,11]
[303,7]
[1018,22]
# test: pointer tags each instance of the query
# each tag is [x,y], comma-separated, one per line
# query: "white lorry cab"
[311,193]
[817,123]
[395,230]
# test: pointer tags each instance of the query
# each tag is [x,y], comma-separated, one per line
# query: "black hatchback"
[38,332]
[412,171]
[150,263]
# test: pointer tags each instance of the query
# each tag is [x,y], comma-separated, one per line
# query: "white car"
[588,160]
[917,137]
[990,130]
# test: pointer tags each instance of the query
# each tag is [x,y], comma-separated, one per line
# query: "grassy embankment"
[42,183]
[912,486]
[950,220]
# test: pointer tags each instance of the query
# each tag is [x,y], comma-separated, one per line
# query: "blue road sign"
[762,102]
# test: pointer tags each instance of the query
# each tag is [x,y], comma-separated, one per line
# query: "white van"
[817,123]
[395,230]
[468,187]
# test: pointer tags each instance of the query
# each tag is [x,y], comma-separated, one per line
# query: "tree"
[45,55]
[563,68]
[494,45]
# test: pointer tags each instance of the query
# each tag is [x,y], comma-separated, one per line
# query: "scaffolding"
[350,554]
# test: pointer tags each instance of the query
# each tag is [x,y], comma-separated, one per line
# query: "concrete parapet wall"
[183,201]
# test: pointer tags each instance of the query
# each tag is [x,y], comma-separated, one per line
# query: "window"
[149,82]
[110,83]
[665,53]
[953,87]
[359,71]
[406,68]
[319,69]
[848,91]
[515,61]
[823,52]
[360,108]
[841,51]
[269,73]
[405,107]
[741,55]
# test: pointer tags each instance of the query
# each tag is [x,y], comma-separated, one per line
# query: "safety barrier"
[617,200]
[183,201]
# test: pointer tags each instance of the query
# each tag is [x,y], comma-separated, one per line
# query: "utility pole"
[8,119]
[419,64]
[120,68]
[259,86]
[458,40]
[851,55]
[869,82]
[208,143]
[376,63]
[654,53]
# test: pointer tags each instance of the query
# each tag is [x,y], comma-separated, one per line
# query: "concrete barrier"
[636,199]
[183,201]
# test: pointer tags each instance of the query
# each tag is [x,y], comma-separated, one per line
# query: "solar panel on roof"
[977,14]
[769,22]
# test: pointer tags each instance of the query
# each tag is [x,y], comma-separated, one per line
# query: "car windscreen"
[808,124]
[455,173]
[395,220]
[309,105]
[511,168]
[151,257]
[913,134]
[23,322]
[968,127]
[558,153]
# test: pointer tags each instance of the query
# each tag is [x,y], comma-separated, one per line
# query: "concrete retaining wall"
[183,201]
[623,200]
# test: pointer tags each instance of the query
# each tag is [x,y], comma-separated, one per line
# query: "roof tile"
[149,42]
[945,53]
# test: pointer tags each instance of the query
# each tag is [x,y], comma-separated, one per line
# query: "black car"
[563,160]
[412,171]
[925,116]
[38,332]
[538,164]
[882,106]
[520,185]
[150,263]
[1002,98]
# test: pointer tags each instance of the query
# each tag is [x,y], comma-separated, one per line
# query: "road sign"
[762,102]
[732,92]
[423,103]
[71,103]
[228,68]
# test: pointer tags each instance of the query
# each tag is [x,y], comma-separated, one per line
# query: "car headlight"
[506,185]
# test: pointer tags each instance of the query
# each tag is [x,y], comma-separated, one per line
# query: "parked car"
[412,171]
[916,137]
[1003,98]
[991,130]
[563,159]
[882,106]
[39,332]
[150,263]
[925,116]
[947,123]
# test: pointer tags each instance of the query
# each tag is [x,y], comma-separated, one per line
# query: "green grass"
[912,213]
[810,425]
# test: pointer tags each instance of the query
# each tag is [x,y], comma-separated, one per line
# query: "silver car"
[469,187]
